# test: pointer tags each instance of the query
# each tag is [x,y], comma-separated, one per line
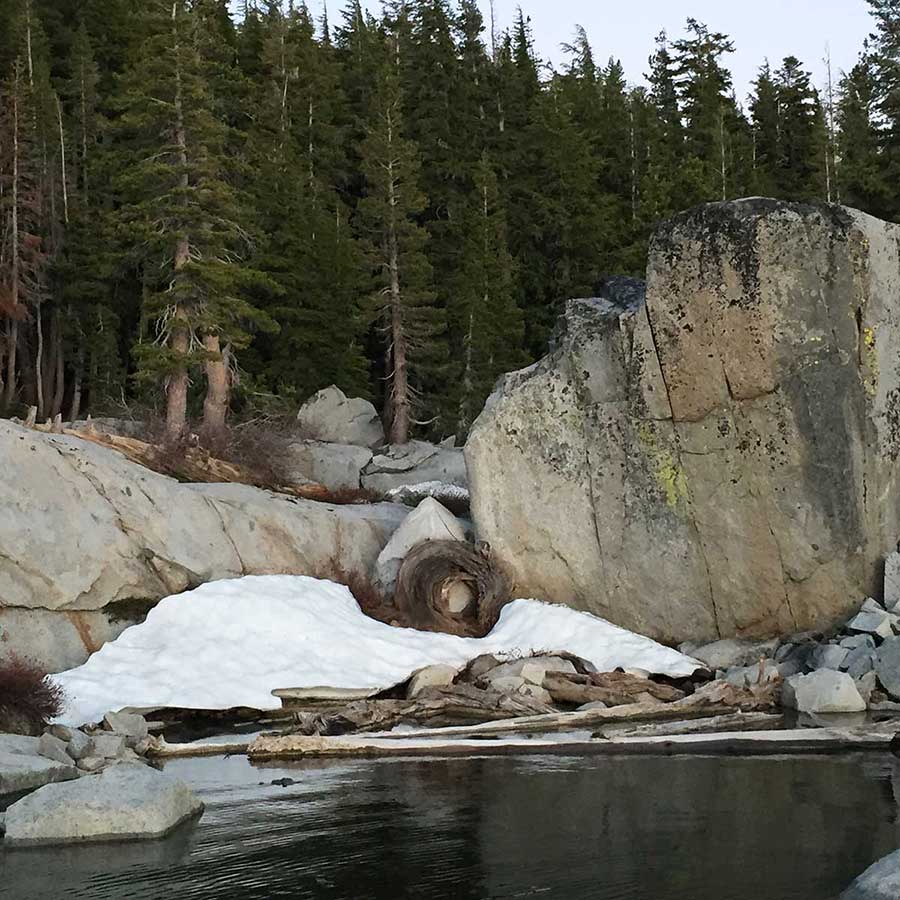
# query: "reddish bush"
[28,698]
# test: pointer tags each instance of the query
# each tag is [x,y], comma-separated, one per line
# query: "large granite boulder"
[720,461]
[90,539]
[124,802]
[332,416]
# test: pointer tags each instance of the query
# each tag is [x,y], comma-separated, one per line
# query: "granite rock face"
[87,535]
[720,461]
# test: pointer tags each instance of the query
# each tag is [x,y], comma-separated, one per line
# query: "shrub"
[28,698]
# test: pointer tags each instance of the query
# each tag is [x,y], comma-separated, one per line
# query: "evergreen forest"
[212,212]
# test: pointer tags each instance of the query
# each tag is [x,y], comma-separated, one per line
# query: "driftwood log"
[191,464]
[433,706]
[451,587]
[611,688]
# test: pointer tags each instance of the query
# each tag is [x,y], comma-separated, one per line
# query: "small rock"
[860,661]
[824,691]
[745,676]
[51,747]
[887,666]
[871,605]
[430,676]
[110,746]
[830,656]
[594,704]
[283,782]
[638,673]
[63,732]
[532,668]
[144,745]
[480,666]
[783,652]
[537,692]
[866,685]
[858,640]
[732,652]
[131,726]
[508,684]
[91,763]
[878,623]
[80,745]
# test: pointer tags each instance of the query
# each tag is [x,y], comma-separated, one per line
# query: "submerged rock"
[122,803]
[881,881]
[720,461]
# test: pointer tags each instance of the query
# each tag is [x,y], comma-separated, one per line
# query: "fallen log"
[433,705]
[739,721]
[452,587]
[752,743]
[611,688]
[713,699]
[162,749]
[190,464]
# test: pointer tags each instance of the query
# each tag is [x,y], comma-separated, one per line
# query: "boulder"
[23,769]
[824,691]
[881,881]
[719,461]
[431,676]
[429,521]
[415,463]
[337,466]
[333,417]
[107,538]
[887,666]
[122,803]
[859,661]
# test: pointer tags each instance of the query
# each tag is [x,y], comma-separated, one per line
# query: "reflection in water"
[628,828]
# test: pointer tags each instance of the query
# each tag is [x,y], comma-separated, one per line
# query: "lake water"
[604,828]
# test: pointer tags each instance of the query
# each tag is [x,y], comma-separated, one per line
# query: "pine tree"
[861,175]
[403,300]
[187,215]
[485,313]
[800,171]
[765,119]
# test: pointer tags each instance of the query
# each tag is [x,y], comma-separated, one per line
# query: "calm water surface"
[605,828]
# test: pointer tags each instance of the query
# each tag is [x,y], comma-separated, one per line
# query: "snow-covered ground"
[231,643]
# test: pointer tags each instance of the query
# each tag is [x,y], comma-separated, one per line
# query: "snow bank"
[231,643]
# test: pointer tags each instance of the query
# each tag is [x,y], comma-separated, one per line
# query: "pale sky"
[759,28]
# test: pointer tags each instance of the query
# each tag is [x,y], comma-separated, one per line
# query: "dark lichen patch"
[829,411]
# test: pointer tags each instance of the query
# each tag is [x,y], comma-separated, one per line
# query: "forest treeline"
[217,214]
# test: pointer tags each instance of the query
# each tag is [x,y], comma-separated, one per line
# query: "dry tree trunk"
[177,387]
[218,389]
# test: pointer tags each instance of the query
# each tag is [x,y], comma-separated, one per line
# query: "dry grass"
[28,698]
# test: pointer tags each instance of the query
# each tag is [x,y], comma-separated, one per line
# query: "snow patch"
[231,643]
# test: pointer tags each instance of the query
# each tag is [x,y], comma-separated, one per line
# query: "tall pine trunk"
[218,390]
[12,330]
[180,339]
